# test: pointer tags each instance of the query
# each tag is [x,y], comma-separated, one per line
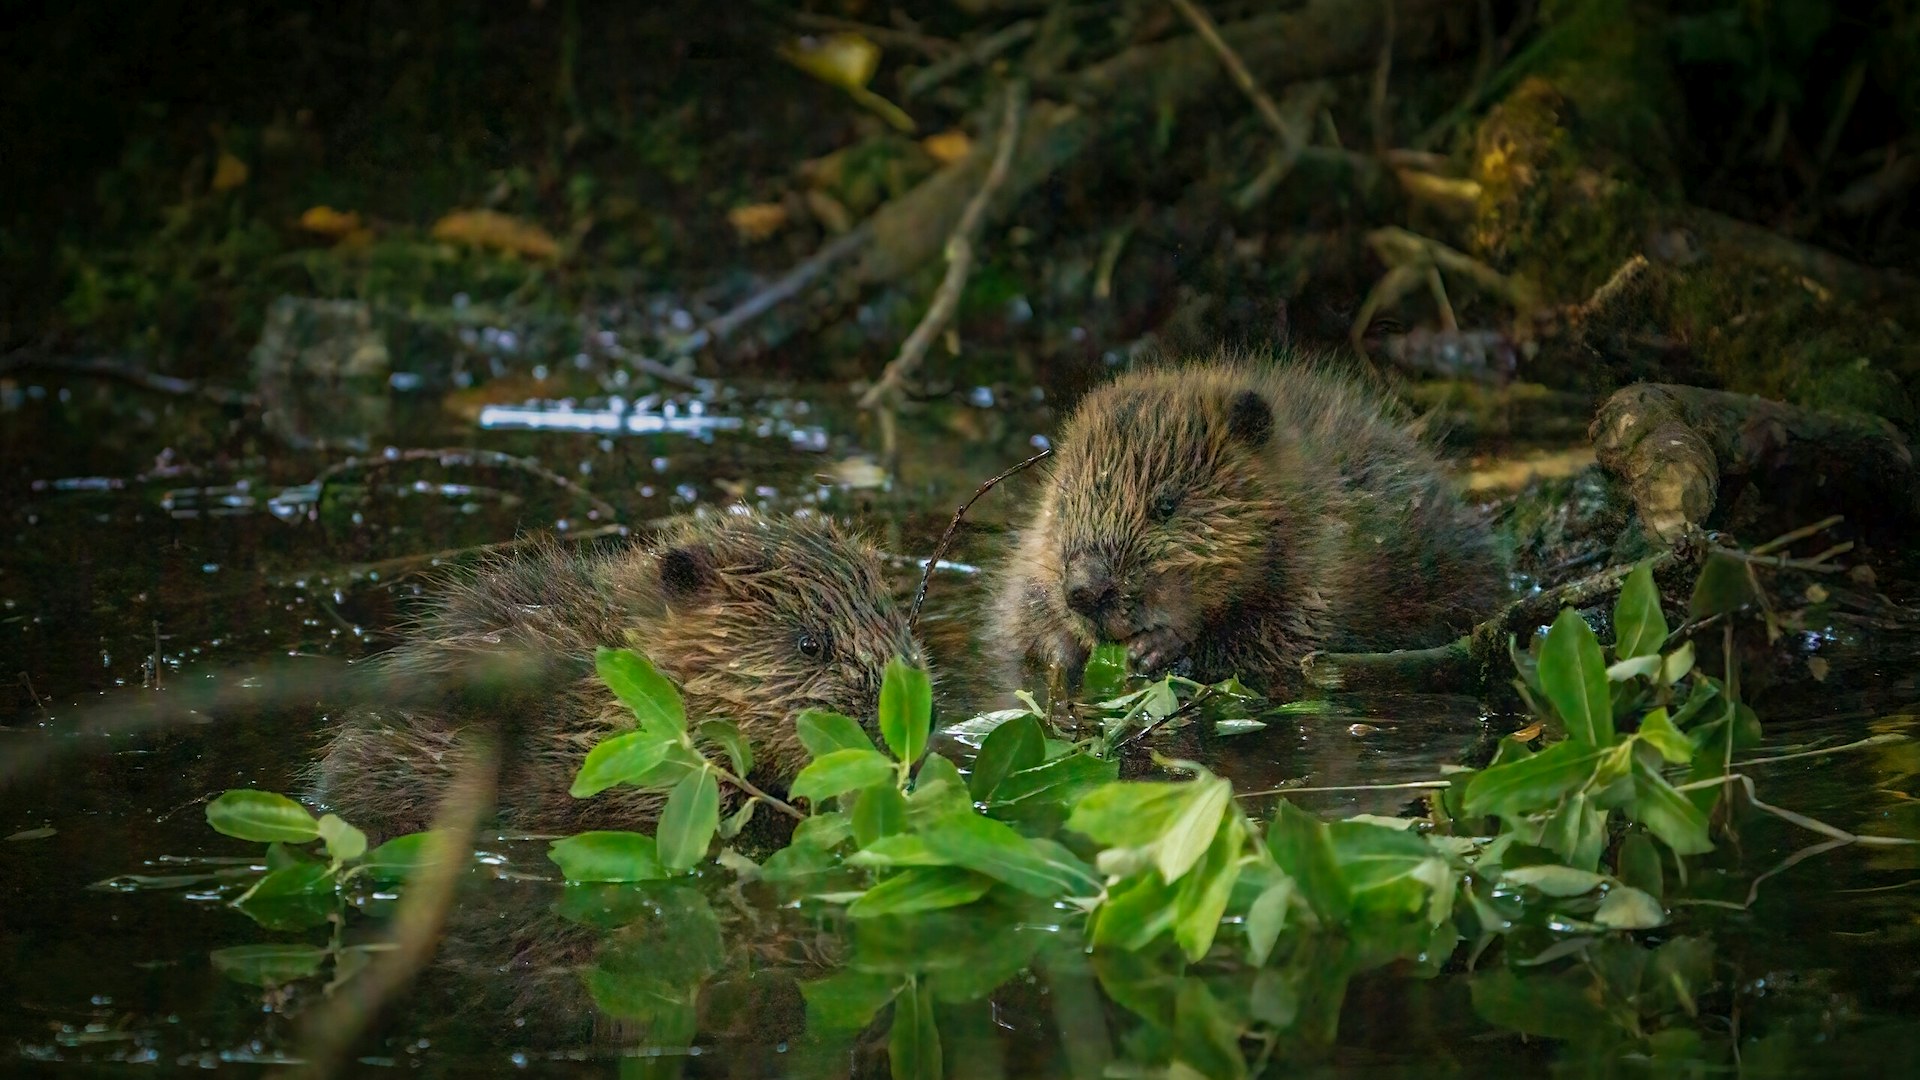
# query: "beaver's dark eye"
[1165,506]
[813,646]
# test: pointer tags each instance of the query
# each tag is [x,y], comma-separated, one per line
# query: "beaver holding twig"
[756,618]
[1227,517]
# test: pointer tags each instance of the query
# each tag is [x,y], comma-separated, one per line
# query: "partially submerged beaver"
[1229,517]
[756,618]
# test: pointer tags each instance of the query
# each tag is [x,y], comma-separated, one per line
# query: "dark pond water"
[148,549]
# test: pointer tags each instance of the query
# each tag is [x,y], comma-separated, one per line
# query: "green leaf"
[1206,1036]
[1552,880]
[1627,908]
[1267,918]
[1640,628]
[737,821]
[620,760]
[1699,696]
[728,737]
[878,811]
[1520,787]
[900,849]
[1640,667]
[1386,869]
[906,710]
[1105,675]
[823,831]
[1677,664]
[1135,914]
[344,842]
[1062,779]
[847,1000]
[1573,675]
[1640,867]
[797,862]
[1725,586]
[913,1044]
[1301,845]
[823,732]
[300,879]
[688,821]
[269,965]
[1657,731]
[634,680]
[1577,831]
[607,856]
[995,849]
[841,771]
[402,856]
[264,816]
[920,889]
[1206,888]
[939,792]
[1132,813]
[1667,813]
[1191,830]
[1020,743]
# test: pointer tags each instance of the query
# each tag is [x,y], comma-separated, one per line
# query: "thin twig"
[332,1030]
[785,288]
[1382,74]
[946,299]
[26,680]
[1203,24]
[1797,535]
[1411,785]
[450,457]
[743,784]
[127,373]
[1818,564]
[401,563]
[1861,744]
[946,538]
[971,56]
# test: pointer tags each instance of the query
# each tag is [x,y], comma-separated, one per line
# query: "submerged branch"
[330,1033]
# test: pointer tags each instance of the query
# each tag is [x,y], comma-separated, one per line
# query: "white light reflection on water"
[614,418]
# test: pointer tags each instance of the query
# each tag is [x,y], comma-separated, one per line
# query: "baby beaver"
[1228,517]
[755,618]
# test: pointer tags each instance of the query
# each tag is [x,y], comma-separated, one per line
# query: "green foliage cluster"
[1227,935]
[302,888]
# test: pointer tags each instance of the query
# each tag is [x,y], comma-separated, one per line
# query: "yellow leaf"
[326,221]
[845,60]
[757,222]
[502,232]
[229,172]
[948,147]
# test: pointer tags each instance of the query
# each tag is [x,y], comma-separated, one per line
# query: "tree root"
[1677,447]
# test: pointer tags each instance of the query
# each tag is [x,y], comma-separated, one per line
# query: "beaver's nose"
[1090,588]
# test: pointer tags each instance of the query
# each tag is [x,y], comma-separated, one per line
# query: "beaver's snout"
[1090,587]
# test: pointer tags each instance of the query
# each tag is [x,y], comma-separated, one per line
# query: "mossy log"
[1578,176]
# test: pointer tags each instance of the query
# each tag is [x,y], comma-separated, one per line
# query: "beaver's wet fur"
[756,618]
[1226,517]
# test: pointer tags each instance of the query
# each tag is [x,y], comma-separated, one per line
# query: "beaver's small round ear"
[1250,418]
[684,573]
